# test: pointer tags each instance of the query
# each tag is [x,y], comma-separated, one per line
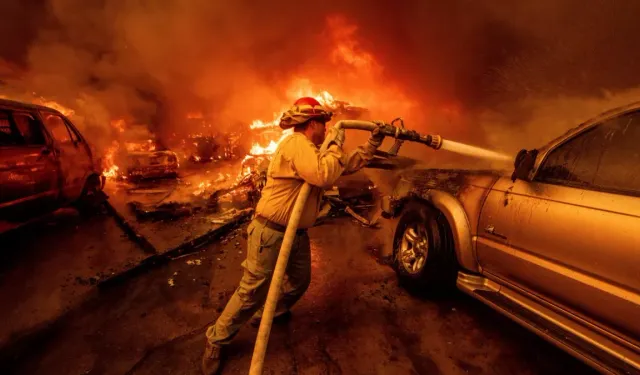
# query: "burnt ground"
[354,319]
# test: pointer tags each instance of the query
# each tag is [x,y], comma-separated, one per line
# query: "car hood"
[451,180]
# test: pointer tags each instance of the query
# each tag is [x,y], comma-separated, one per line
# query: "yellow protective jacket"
[297,160]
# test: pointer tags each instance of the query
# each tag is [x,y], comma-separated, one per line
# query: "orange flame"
[118,125]
[111,170]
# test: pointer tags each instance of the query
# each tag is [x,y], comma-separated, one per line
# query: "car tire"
[423,256]
[92,197]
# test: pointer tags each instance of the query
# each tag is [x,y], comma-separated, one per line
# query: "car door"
[28,169]
[73,158]
[572,235]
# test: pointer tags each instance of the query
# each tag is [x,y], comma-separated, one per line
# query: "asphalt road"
[354,319]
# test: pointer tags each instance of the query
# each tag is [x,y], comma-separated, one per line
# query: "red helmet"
[303,110]
[307,100]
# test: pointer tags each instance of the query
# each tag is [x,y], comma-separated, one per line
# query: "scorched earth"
[354,319]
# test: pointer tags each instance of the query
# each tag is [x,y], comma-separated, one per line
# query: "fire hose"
[260,349]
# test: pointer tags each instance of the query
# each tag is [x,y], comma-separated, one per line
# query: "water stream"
[478,152]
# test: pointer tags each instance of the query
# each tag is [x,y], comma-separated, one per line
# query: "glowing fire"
[118,125]
[195,115]
[111,170]
[55,105]
[147,146]
[256,149]
[205,185]
[202,187]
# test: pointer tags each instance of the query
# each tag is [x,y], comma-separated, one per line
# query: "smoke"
[482,72]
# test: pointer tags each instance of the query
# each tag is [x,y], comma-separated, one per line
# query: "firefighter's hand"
[377,136]
[336,136]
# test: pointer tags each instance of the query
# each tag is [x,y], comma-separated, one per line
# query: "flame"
[347,49]
[55,105]
[202,187]
[118,125]
[256,149]
[112,172]
[146,146]
[259,124]
[205,185]
[195,115]
[110,169]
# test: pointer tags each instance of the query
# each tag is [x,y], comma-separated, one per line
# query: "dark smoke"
[498,63]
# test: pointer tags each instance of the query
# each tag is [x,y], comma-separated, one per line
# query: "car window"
[74,134]
[55,124]
[29,128]
[619,167]
[9,135]
[606,157]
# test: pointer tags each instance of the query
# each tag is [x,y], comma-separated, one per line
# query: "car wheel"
[92,196]
[423,256]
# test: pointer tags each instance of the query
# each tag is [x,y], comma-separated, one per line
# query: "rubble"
[369,223]
[162,211]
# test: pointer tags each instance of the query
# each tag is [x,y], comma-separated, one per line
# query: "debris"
[162,211]
[146,191]
[229,216]
[196,262]
[369,223]
[171,282]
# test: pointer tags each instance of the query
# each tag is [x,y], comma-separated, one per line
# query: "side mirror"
[523,164]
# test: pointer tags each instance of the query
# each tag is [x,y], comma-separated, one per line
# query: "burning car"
[146,159]
[45,163]
[554,246]
[207,148]
[348,111]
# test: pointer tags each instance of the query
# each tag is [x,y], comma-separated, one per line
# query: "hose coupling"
[434,141]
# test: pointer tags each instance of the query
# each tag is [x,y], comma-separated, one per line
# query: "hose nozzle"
[435,142]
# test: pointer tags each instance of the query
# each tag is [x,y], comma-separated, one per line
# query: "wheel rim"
[414,248]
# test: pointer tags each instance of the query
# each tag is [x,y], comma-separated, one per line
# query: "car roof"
[635,106]
[6,103]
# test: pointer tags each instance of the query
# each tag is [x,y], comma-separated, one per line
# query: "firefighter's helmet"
[303,110]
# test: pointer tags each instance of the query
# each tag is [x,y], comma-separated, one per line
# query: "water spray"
[400,133]
[464,149]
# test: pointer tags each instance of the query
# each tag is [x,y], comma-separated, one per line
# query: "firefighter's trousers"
[263,247]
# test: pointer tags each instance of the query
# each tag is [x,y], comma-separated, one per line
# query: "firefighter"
[296,160]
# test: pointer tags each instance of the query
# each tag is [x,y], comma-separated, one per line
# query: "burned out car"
[45,163]
[146,159]
[555,245]
[348,111]
[207,148]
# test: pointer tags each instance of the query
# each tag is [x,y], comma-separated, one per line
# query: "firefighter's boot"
[211,359]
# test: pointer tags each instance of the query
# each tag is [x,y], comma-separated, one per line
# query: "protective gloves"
[376,137]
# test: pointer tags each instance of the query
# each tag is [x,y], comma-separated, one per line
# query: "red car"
[45,163]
